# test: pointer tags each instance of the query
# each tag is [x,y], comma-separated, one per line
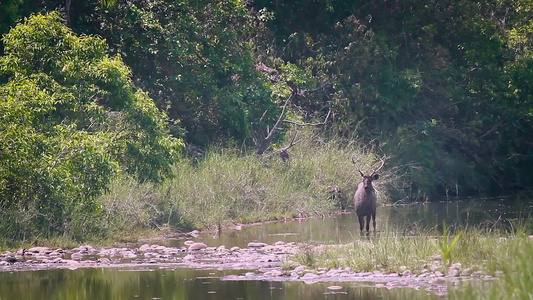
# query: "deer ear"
[375,176]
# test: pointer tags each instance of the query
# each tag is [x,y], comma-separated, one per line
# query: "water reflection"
[178,284]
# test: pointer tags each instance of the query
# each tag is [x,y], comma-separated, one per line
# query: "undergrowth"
[225,187]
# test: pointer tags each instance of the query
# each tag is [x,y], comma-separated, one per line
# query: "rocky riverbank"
[259,261]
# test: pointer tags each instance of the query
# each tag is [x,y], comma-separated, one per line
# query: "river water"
[164,282]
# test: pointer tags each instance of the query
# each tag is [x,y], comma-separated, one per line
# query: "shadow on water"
[156,283]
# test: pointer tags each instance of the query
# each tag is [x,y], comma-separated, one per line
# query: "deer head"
[367,179]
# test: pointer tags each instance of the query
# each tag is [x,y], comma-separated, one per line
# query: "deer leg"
[361,219]
[374,221]
[368,223]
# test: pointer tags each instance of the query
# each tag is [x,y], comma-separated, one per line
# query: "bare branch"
[325,84]
[264,114]
[265,143]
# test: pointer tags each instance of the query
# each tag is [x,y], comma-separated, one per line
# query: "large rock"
[256,245]
[39,250]
[197,246]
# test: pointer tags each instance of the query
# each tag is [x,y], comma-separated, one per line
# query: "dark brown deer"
[365,199]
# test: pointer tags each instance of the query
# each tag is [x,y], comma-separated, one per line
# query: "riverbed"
[246,262]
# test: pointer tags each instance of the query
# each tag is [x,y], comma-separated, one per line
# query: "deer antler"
[380,167]
[355,163]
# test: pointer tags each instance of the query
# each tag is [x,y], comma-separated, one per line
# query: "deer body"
[365,200]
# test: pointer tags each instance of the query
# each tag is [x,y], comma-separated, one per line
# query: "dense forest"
[93,89]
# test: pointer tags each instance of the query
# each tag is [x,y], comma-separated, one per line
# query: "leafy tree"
[441,86]
[195,58]
[70,120]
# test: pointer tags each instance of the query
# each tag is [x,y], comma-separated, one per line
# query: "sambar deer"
[365,199]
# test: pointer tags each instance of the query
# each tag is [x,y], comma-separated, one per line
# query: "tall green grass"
[515,260]
[228,187]
[487,250]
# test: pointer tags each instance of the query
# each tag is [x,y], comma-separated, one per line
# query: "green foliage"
[447,247]
[489,251]
[70,119]
[461,68]
[195,59]
[228,187]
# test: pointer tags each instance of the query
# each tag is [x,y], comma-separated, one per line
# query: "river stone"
[437,257]
[194,233]
[39,250]
[309,276]
[334,287]
[104,260]
[235,248]
[189,257]
[256,245]
[197,246]
[466,272]
[129,255]
[407,273]
[438,281]
[145,248]
[76,256]
[56,260]
[71,262]
[438,274]
[188,243]
[453,272]
[477,274]
[160,248]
